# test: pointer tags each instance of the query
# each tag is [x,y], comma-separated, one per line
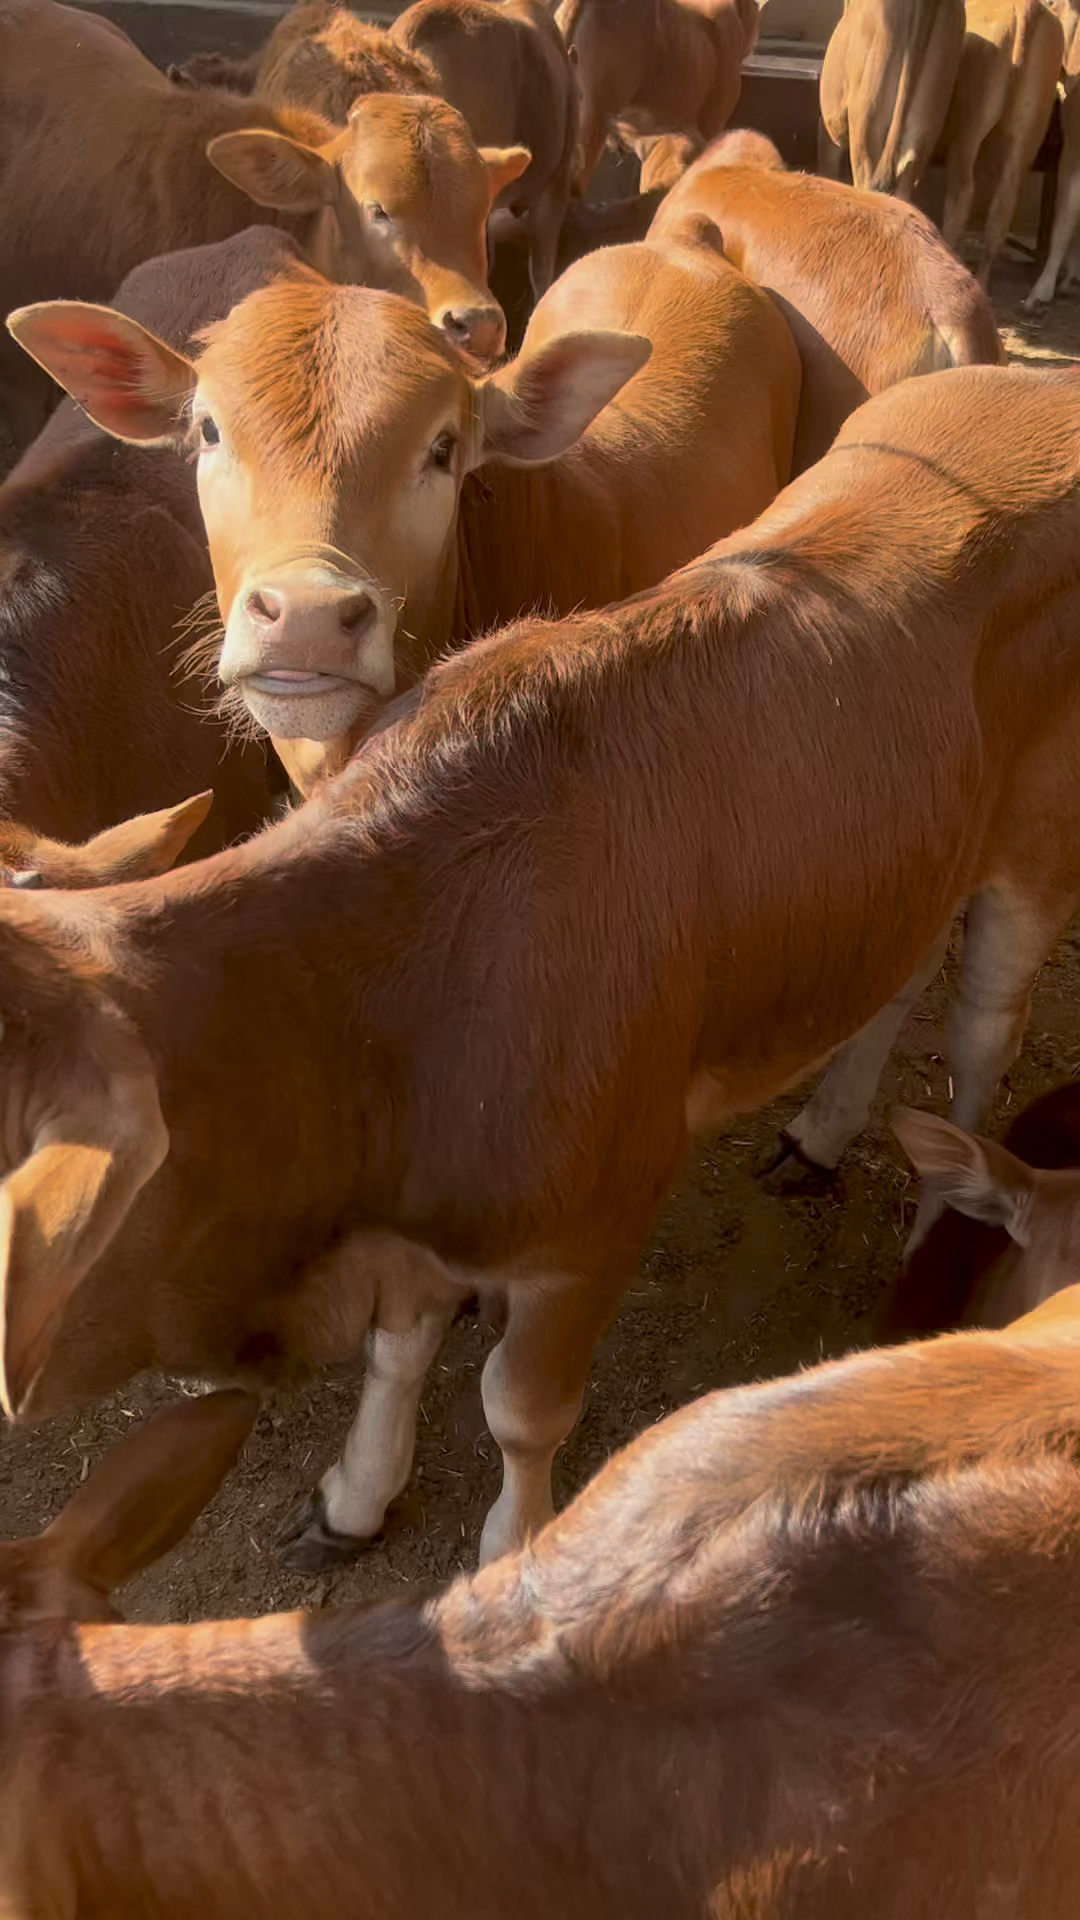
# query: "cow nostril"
[263,605]
[456,325]
[356,612]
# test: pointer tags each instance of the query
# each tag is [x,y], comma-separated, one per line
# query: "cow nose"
[479,331]
[270,607]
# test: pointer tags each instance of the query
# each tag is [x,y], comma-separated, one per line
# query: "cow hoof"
[785,1168]
[309,1544]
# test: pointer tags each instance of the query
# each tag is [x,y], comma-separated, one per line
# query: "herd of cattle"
[563,753]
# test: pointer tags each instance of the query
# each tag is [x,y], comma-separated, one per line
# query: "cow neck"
[534,538]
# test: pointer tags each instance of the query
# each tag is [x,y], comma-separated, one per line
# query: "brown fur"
[886,84]
[102,557]
[103,164]
[1006,85]
[655,66]
[322,56]
[804,1651]
[503,65]
[870,291]
[591,884]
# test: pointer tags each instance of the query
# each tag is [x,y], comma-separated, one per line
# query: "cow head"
[400,200]
[147,844]
[333,428]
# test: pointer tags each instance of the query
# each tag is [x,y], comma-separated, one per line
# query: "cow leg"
[839,1106]
[351,1500]
[545,226]
[1067,209]
[960,184]
[1000,213]
[1007,937]
[532,1388]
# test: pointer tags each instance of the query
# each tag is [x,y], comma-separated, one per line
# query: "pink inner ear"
[108,359]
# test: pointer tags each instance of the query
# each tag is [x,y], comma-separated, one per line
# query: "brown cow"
[1067,207]
[805,1650]
[655,66]
[503,65]
[339,580]
[869,289]
[1005,92]
[102,553]
[1010,1234]
[323,56]
[886,84]
[590,886]
[103,164]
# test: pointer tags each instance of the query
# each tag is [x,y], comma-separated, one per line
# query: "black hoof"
[309,1544]
[785,1168]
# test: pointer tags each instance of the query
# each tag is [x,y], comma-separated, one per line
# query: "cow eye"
[209,432]
[443,450]
[378,214]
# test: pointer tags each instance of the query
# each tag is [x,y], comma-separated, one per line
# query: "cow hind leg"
[840,1104]
[349,1505]
[1007,937]
[532,1388]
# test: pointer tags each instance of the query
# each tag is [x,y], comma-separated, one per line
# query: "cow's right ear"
[100,1138]
[126,379]
[535,408]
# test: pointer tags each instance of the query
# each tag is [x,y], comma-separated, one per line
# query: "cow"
[320,56]
[105,164]
[1010,1232]
[1062,251]
[1001,107]
[503,65]
[664,158]
[886,84]
[655,66]
[869,289]
[591,886]
[102,554]
[804,1649]
[461,503]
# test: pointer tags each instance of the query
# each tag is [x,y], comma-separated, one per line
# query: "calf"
[1005,91]
[592,885]
[351,533]
[104,163]
[102,554]
[655,66]
[323,57]
[869,289]
[1010,1235]
[886,83]
[806,1650]
[503,65]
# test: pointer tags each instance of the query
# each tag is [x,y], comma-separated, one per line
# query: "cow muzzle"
[311,651]
[479,332]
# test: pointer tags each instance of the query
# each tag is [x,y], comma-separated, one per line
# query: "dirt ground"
[737,1284]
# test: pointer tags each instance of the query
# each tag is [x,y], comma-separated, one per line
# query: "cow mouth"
[284,682]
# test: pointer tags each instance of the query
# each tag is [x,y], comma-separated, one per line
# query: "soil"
[737,1284]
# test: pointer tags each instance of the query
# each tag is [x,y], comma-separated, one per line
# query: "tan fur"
[886,84]
[1005,90]
[806,1651]
[586,867]
[655,66]
[322,56]
[103,163]
[503,65]
[870,291]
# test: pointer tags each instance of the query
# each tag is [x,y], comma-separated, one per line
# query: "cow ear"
[973,1175]
[504,165]
[147,844]
[127,380]
[148,1491]
[535,408]
[102,1139]
[274,170]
